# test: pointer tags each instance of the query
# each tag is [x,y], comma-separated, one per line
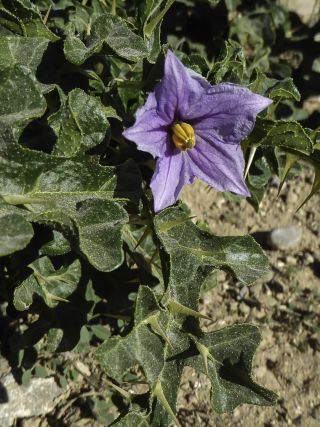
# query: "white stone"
[285,237]
[38,398]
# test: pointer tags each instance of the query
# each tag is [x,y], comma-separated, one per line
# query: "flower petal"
[149,131]
[179,88]
[172,172]
[219,165]
[228,109]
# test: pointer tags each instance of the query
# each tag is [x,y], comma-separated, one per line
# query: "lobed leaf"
[80,124]
[229,353]
[99,224]
[275,89]
[132,419]
[54,286]
[46,182]
[111,30]
[15,231]
[199,252]
[30,18]
[281,133]
[59,245]
[21,97]
[81,197]
[27,51]
[230,64]
[162,348]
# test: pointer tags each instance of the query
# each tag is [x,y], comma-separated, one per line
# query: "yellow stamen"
[183,136]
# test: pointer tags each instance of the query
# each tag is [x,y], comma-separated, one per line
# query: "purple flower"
[194,129]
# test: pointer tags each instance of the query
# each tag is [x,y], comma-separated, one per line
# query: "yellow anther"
[183,136]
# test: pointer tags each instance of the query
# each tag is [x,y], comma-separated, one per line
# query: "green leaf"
[59,245]
[21,97]
[80,196]
[27,51]
[99,224]
[40,371]
[15,231]
[281,133]
[132,420]
[232,4]
[100,331]
[230,65]
[30,17]
[258,180]
[229,367]
[141,347]
[114,32]
[54,338]
[48,183]
[316,180]
[199,252]
[284,89]
[146,346]
[155,20]
[214,2]
[275,89]
[80,124]
[52,285]
[225,356]
[26,377]
[154,352]
[290,161]
[10,24]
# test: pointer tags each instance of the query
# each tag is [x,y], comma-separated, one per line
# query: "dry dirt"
[285,306]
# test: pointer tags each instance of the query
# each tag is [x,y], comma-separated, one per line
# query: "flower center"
[183,136]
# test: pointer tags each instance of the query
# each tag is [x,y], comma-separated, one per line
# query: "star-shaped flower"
[194,130]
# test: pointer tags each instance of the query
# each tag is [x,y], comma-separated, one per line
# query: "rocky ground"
[285,306]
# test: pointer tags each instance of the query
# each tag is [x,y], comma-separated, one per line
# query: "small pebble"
[291,260]
[285,237]
[243,292]
[267,277]
[275,182]
[258,314]
[308,258]
[233,306]
[244,309]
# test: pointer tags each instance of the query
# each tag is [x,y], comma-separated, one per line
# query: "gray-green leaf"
[99,224]
[199,252]
[21,98]
[114,32]
[15,231]
[52,285]
[30,18]
[227,360]
[26,51]
[80,124]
